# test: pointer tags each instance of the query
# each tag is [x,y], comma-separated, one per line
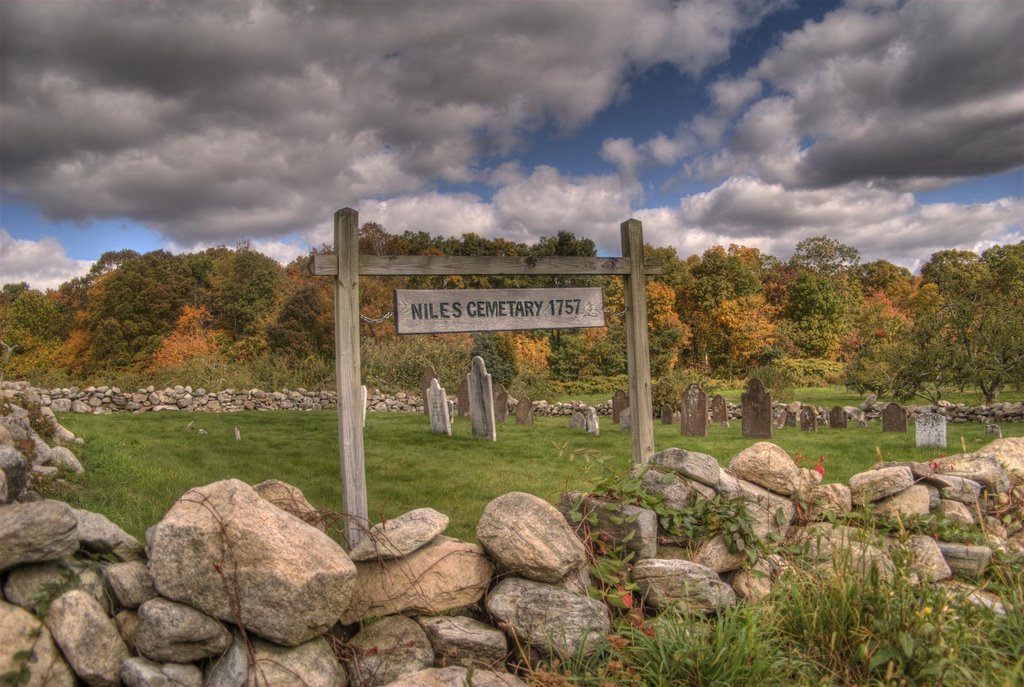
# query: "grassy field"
[138,465]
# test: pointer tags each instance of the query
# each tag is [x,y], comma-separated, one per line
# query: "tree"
[825,257]
[305,325]
[247,286]
[818,311]
[190,338]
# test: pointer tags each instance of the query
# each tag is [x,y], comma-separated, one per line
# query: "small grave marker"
[428,374]
[837,418]
[930,430]
[756,406]
[625,423]
[462,398]
[593,424]
[693,421]
[779,417]
[666,414]
[894,418]
[620,401]
[481,401]
[808,419]
[524,411]
[437,408]
[719,410]
[500,403]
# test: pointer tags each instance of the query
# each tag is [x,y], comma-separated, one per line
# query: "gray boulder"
[99,535]
[386,650]
[956,488]
[527,536]
[769,466]
[912,501]
[614,524]
[927,559]
[829,499]
[684,584]
[1009,453]
[966,559]
[549,619]
[36,532]
[699,467]
[400,536]
[170,632]
[874,485]
[140,672]
[22,631]
[983,468]
[461,641]
[455,676]
[88,638]
[64,459]
[130,583]
[16,469]
[678,492]
[311,664]
[290,499]
[27,583]
[221,544]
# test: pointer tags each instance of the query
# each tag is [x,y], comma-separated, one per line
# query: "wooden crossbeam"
[437,265]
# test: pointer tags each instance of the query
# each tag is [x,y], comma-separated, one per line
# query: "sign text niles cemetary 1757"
[433,311]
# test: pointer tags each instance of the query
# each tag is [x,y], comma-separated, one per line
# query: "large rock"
[35,532]
[461,641]
[690,464]
[291,500]
[956,488]
[684,584]
[170,632]
[780,507]
[140,672]
[874,485]
[16,468]
[527,536]
[614,525]
[444,575]
[27,584]
[64,459]
[386,650]
[400,536]
[549,619]
[955,510]
[769,466]
[912,501]
[966,559]
[99,535]
[222,545]
[927,559]
[824,500]
[455,676]
[846,548]
[22,631]
[1010,455]
[983,468]
[678,492]
[88,638]
[130,583]
[311,664]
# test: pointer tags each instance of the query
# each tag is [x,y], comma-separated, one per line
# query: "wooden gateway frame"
[346,266]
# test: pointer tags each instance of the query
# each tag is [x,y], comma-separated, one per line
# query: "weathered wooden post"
[638,356]
[347,372]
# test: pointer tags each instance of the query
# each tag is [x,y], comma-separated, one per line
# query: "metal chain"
[617,314]
[376,320]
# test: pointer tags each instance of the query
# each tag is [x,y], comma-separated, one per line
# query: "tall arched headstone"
[837,418]
[437,407]
[756,405]
[428,374]
[894,418]
[719,410]
[693,421]
[620,401]
[481,401]
[524,411]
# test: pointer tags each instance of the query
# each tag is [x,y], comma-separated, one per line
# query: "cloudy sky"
[895,127]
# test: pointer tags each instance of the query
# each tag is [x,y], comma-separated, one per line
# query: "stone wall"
[106,399]
[240,584]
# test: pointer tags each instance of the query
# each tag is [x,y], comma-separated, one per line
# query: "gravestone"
[929,430]
[481,401]
[428,374]
[837,418]
[620,401]
[578,421]
[992,428]
[364,396]
[808,419]
[779,417]
[462,398]
[666,414]
[693,421]
[524,411]
[593,424]
[437,408]
[719,410]
[894,418]
[626,423]
[790,418]
[500,403]
[756,407]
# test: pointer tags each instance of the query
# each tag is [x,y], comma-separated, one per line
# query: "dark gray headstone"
[837,418]
[578,421]
[693,421]
[524,411]
[756,407]
[719,410]
[808,419]
[428,374]
[666,414]
[779,417]
[500,403]
[620,401]
[481,401]
[626,422]
[930,430]
[436,401]
[462,398]
[790,418]
[894,418]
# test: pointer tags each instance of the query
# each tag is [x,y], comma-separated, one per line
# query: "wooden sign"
[439,311]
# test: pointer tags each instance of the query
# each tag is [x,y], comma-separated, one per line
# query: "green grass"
[138,465]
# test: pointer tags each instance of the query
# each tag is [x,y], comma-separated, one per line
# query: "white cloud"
[43,264]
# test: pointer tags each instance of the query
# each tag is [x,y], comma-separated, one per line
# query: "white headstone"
[930,430]
[481,401]
[437,408]
[593,425]
[363,396]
